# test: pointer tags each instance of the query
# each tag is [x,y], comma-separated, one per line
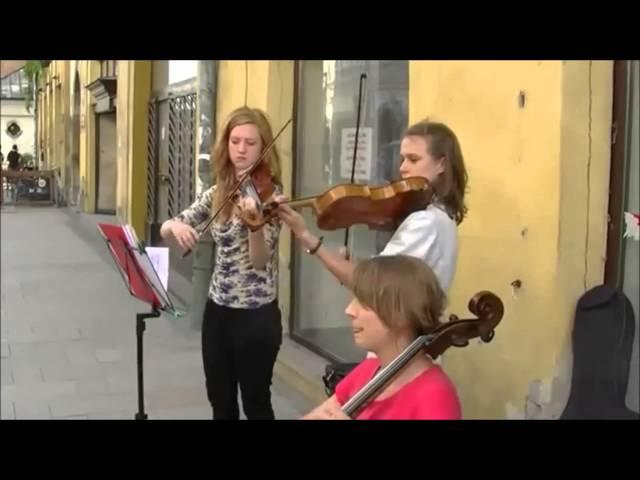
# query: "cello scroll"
[457,332]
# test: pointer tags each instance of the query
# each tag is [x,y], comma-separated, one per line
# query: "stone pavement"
[68,331]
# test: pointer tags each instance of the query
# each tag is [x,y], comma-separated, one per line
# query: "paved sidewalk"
[68,331]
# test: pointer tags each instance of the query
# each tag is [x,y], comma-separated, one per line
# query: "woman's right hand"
[185,236]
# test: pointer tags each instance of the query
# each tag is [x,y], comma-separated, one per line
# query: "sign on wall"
[363,155]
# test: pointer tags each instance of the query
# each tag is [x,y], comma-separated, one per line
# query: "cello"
[455,333]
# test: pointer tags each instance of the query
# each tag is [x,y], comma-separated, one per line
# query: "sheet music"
[159,257]
[152,274]
[155,272]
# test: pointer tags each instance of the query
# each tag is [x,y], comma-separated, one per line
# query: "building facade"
[552,168]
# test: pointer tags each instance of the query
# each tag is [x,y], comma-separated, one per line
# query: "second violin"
[379,207]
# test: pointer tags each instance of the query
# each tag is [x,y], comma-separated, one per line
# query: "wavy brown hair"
[224,172]
[400,288]
[451,185]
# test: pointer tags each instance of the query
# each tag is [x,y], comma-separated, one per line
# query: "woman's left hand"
[293,219]
[248,211]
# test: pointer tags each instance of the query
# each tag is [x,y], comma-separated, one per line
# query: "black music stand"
[143,282]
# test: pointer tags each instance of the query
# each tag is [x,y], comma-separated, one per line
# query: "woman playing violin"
[396,299]
[430,150]
[242,330]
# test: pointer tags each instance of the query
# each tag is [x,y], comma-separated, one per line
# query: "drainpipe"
[204,252]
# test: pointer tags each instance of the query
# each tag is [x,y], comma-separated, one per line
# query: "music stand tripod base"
[140,327]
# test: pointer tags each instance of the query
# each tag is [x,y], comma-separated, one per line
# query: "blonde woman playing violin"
[241,330]
[430,150]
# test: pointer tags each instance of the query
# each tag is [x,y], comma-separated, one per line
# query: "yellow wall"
[527,220]
[269,87]
[55,121]
[134,89]
[53,116]
[88,70]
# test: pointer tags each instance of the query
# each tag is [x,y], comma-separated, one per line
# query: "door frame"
[620,158]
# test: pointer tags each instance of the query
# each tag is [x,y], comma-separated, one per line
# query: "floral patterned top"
[234,282]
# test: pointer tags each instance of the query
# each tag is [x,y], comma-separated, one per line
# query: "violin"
[455,333]
[259,186]
[256,182]
[380,208]
[342,206]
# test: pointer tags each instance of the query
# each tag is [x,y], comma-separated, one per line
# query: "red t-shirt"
[429,396]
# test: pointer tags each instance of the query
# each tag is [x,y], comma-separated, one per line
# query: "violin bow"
[240,182]
[363,79]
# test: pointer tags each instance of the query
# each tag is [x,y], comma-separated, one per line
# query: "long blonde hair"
[224,173]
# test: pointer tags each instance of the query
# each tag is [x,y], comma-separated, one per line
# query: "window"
[108,68]
[182,70]
[15,85]
[326,121]
[24,82]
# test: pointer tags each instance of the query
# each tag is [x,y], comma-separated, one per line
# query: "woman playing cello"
[396,299]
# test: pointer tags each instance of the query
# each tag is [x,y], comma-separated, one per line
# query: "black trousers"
[240,346]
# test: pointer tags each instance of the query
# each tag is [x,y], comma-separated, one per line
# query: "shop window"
[326,118]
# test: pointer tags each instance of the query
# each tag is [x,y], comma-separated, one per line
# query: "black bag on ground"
[333,373]
[603,335]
